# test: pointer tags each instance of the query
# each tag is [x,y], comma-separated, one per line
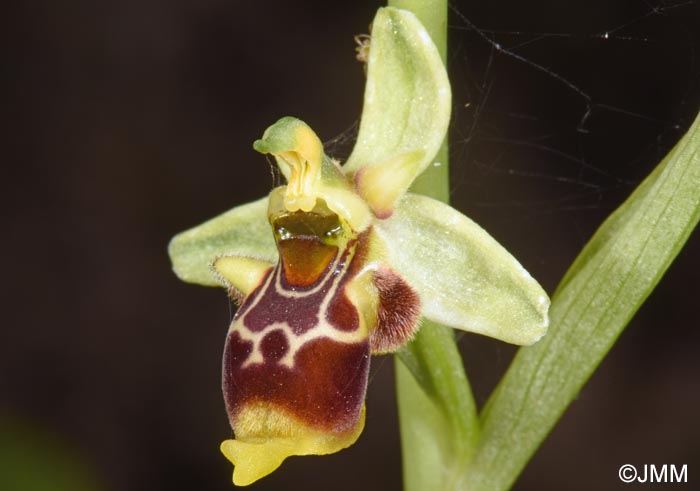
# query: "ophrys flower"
[342,262]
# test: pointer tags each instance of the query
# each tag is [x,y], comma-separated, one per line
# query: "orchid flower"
[342,262]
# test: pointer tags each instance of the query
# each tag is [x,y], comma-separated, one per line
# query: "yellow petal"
[240,272]
[383,184]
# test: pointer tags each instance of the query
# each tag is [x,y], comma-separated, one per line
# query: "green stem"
[437,413]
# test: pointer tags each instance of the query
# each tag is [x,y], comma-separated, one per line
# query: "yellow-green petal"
[407,98]
[241,231]
[240,272]
[465,278]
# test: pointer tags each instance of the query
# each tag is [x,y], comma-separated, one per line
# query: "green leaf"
[605,286]
[465,278]
[407,97]
[242,231]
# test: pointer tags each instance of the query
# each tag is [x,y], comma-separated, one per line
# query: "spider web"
[573,115]
[557,117]
[563,109]
[558,113]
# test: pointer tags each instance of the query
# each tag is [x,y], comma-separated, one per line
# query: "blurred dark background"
[127,122]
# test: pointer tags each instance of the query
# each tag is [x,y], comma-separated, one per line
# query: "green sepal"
[407,97]
[465,278]
[241,231]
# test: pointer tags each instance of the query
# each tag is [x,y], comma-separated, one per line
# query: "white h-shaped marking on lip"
[322,328]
